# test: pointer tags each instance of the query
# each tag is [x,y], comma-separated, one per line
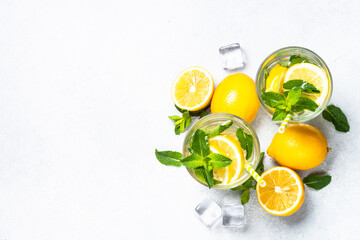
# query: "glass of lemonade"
[271,75]
[214,120]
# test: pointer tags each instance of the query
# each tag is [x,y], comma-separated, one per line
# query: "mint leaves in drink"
[334,115]
[305,86]
[246,142]
[291,101]
[317,182]
[294,59]
[219,129]
[201,159]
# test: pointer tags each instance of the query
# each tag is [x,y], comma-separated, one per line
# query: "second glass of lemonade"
[271,75]
[214,120]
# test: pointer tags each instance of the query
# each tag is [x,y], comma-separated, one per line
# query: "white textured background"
[84,100]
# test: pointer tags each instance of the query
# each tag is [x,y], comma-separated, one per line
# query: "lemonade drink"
[237,176]
[308,66]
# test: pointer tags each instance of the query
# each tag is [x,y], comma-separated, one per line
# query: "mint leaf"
[175,118]
[248,183]
[266,73]
[282,105]
[305,86]
[203,114]
[169,158]
[295,59]
[304,103]
[206,176]
[199,143]
[246,141]
[279,115]
[284,64]
[199,172]
[245,196]
[219,161]
[272,99]
[187,119]
[337,117]
[209,177]
[293,96]
[193,161]
[219,129]
[260,167]
[317,182]
[239,188]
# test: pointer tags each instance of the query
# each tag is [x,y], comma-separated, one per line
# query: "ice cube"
[209,212]
[233,215]
[233,57]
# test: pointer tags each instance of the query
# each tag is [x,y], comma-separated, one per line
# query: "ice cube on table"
[233,215]
[232,56]
[209,212]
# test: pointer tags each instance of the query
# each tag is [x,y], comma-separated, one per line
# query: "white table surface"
[84,100]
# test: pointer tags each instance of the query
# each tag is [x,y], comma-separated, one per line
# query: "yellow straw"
[285,123]
[254,174]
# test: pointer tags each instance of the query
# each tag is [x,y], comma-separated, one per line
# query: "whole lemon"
[236,94]
[300,147]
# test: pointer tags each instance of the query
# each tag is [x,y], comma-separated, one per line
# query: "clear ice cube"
[209,212]
[233,215]
[233,57]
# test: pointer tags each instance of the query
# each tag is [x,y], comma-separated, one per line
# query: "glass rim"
[318,59]
[256,149]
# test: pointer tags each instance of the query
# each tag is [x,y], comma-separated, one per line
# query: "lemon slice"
[284,192]
[312,74]
[229,147]
[222,174]
[192,89]
[275,79]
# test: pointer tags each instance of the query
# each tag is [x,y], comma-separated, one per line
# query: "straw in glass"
[285,123]
[254,174]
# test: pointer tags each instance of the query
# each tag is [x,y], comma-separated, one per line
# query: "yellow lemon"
[192,89]
[236,94]
[284,192]
[231,148]
[300,147]
[275,79]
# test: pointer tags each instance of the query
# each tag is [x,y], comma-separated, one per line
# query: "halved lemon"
[193,89]
[229,147]
[312,74]
[284,192]
[275,79]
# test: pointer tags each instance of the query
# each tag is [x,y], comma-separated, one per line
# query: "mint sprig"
[181,123]
[334,115]
[291,101]
[201,159]
[184,121]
